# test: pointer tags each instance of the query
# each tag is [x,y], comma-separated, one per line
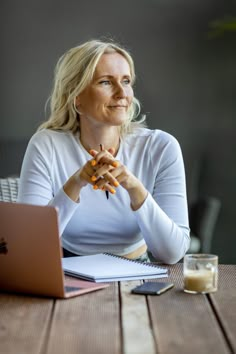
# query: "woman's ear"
[77,104]
[77,101]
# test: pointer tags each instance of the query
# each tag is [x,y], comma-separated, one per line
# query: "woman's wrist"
[137,196]
[73,187]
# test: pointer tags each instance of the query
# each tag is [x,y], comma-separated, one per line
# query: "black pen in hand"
[107,193]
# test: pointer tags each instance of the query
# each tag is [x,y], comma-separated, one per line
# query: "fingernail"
[113,191]
[95,187]
[116,184]
[93,178]
[93,162]
[115,164]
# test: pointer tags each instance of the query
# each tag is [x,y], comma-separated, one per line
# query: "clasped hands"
[104,172]
[103,166]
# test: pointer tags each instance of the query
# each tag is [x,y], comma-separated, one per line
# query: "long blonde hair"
[73,73]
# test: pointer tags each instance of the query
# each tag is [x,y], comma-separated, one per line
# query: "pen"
[107,193]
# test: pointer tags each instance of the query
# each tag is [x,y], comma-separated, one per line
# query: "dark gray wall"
[185,81]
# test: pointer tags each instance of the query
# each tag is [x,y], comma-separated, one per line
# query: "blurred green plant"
[219,27]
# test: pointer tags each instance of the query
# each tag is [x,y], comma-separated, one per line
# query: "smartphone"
[150,288]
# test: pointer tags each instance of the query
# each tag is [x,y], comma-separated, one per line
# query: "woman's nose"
[120,91]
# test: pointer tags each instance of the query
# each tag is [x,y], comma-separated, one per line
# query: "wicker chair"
[9,189]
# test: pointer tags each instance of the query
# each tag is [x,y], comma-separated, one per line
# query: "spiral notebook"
[104,267]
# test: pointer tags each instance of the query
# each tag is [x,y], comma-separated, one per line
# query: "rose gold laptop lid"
[30,253]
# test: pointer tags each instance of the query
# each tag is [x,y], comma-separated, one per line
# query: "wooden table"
[113,321]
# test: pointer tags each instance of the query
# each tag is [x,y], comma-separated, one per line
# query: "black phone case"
[151,288]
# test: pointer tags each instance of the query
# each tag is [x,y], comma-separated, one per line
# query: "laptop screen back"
[30,251]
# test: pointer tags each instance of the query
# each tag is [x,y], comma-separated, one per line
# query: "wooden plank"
[24,322]
[137,333]
[224,303]
[184,323]
[87,324]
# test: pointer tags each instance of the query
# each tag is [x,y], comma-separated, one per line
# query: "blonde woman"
[118,186]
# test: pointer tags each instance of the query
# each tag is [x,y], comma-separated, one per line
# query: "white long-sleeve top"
[97,224]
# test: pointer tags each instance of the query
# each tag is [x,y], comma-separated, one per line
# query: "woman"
[92,147]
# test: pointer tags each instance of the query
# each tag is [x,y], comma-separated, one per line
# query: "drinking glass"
[200,273]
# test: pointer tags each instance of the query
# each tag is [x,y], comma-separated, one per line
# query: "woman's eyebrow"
[102,76]
[109,76]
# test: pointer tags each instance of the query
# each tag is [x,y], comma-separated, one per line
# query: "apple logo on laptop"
[3,246]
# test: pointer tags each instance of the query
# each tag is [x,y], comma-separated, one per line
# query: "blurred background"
[185,56]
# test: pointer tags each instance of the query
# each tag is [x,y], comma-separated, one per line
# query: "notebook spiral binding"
[132,260]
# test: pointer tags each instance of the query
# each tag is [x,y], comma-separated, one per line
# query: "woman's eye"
[126,81]
[105,82]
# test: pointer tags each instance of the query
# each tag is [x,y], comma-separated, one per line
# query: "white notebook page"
[106,267]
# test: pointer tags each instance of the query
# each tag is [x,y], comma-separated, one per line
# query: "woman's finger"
[103,157]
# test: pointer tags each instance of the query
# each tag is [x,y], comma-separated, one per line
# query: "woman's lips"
[117,106]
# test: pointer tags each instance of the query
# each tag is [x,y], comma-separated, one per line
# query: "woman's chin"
[118,119]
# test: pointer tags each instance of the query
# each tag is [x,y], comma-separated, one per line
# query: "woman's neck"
[109,137]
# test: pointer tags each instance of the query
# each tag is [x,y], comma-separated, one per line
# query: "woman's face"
[108,97]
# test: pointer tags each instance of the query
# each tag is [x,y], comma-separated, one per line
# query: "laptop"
[30,253]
